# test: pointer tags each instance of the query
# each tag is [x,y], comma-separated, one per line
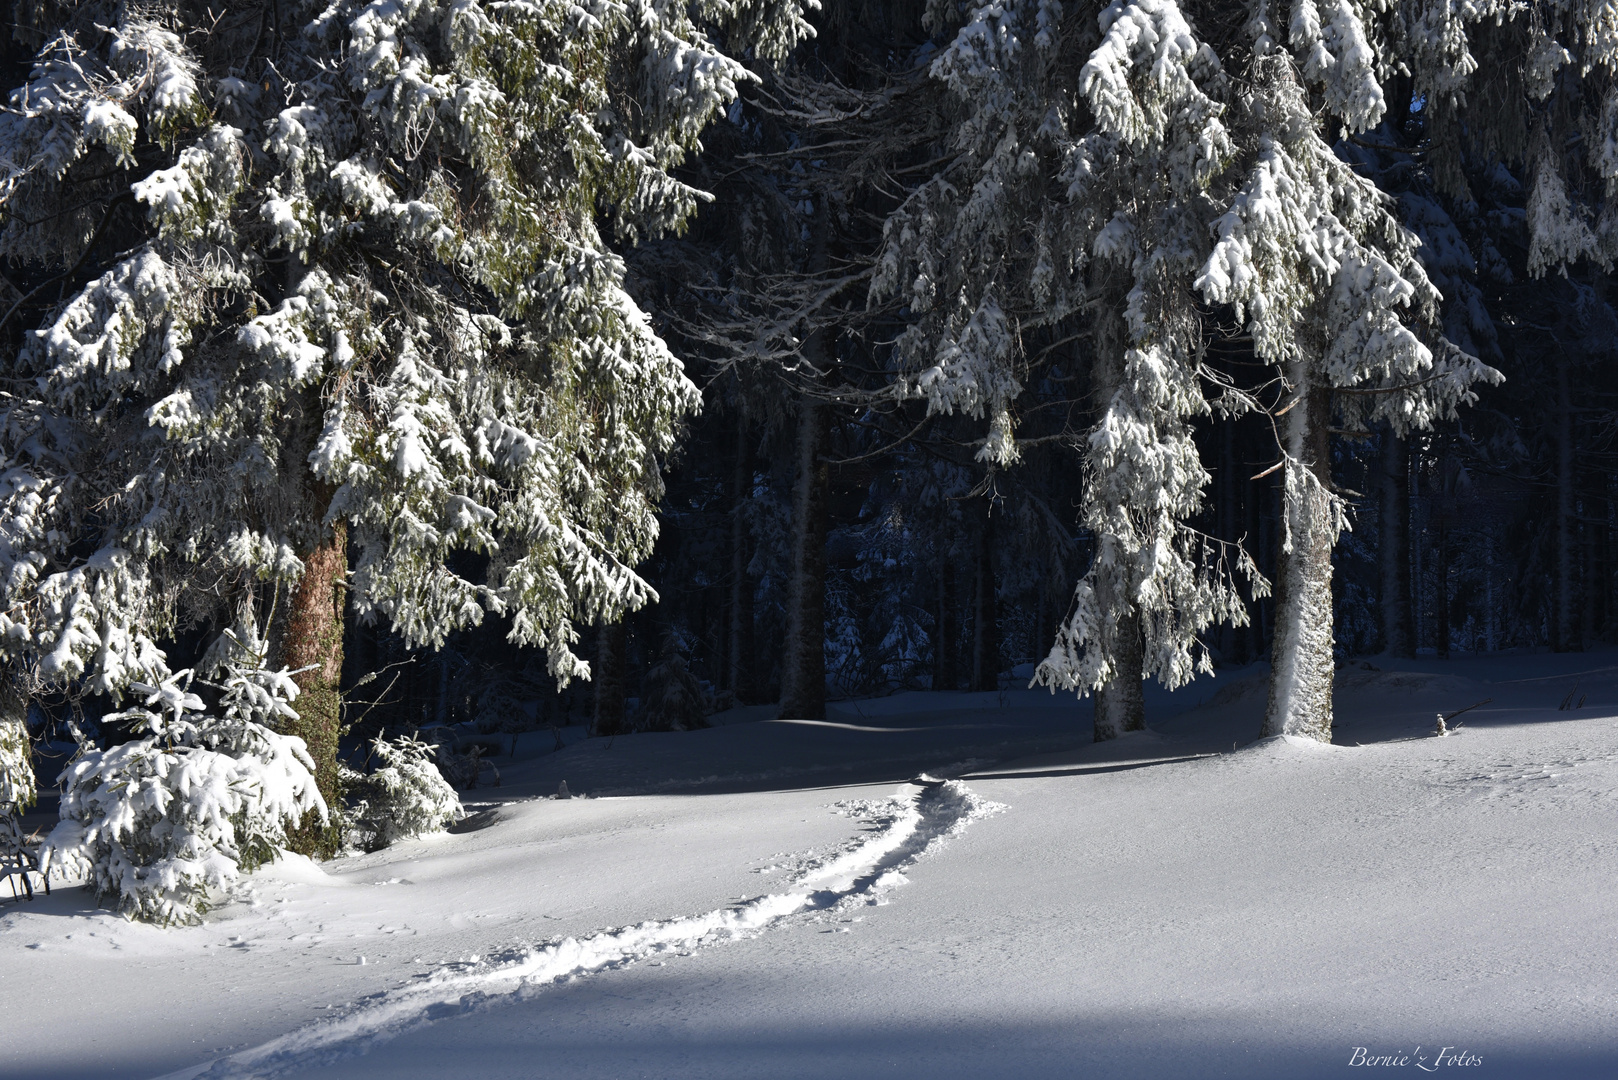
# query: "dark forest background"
[800,482]
[805,496]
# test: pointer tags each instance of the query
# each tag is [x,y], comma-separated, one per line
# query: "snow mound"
[922,815]
[294,869]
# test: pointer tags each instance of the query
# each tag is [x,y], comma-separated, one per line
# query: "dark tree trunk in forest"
[803,663]
[741,557]
[1593,528]
[312,637]
[1045,619]
[1441,599]
[1120,705]
[607,679]
[985,611]
[1302,663]
[1398,635]
[1565,632]
[945,670]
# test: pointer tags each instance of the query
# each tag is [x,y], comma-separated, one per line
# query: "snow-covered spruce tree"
[671,698]
[404,797]
[1323,277]
[334,292]
[1075,196]
[195,799]
[1139,181]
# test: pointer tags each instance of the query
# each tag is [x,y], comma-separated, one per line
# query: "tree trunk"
[1441,611]
[1566,619]
[1398,635]
[608,716]
[803,671]
[1045,616]
[945,676]
[1302,663]
[741,583]
[1120,706]
[312,637]
[985,613]
[1594,591]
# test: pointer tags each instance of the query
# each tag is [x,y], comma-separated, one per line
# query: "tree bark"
[1120,706]
[985,613]
[607,678]
[1302,664]
[1398,635]
[741,583]
[312,637]
[1565,637]
[803,673]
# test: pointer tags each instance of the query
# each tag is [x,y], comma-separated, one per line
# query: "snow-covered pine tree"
[1324,278]
[671,698]
[306,286]
[1075,196]
[1139,188]
[196,798]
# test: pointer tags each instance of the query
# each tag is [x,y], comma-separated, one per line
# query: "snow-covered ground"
[773,899]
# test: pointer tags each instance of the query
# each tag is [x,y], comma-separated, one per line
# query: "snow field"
[1164,905]
[907,826]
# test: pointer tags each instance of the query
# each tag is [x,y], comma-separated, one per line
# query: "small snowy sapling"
[158,823]
[406,797]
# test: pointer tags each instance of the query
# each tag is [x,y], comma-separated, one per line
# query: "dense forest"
[375,367]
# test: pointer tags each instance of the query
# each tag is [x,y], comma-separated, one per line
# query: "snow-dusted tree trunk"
[312,639]
[1120,704]
[1302,662]
[803,660]
[1398,637]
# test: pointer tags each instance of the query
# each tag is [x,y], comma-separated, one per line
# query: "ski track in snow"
[908,825]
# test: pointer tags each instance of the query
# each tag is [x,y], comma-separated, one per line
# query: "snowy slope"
[1162,906]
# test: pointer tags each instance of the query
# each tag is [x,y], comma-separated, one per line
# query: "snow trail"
[911,823]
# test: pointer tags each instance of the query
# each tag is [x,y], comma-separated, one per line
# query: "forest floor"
[779,899]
